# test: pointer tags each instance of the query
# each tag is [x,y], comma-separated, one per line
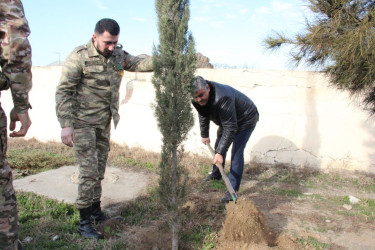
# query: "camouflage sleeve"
[141,63]
[65,92]
[4,82]
[16,56]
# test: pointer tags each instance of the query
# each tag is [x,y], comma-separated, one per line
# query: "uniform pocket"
[95,76]
[93,72]
[92,69]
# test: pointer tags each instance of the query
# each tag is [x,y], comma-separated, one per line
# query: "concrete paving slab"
[119,185]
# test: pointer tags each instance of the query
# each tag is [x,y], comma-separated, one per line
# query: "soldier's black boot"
[97,215]
[85,225]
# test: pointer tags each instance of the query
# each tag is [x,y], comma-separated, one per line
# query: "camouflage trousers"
[9,226]
[91,147]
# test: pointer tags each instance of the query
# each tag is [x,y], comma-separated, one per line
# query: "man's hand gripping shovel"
[223,175]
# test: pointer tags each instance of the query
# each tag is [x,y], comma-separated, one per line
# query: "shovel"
[225,178]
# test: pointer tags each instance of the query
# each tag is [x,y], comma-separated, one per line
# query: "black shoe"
[85,225]
[227,197]
[211,177]
[97,216]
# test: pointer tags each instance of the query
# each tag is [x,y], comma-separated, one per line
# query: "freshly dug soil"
[244,228]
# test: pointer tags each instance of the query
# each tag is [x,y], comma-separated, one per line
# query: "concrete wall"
[302,120]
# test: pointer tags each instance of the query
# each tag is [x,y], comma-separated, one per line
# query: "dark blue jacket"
[228,108]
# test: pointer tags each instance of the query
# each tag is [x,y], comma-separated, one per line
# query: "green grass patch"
[210,241]
[144,209]
[290,177]
[205,169]
[53,225]
[367,208]
[312,243]
[309,183]
[37,159]
[217,185]
[127,161]
[364,210]
[42,219]
[197,235]
[199,232]
[33,206]
[317,197]
[370,188]
[287,192]
[325,180]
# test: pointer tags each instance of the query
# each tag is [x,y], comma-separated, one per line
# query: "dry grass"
[271,186]
[32,156]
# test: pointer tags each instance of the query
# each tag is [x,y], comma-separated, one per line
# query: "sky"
[228,32]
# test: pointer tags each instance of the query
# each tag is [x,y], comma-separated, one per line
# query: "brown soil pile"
[245,228]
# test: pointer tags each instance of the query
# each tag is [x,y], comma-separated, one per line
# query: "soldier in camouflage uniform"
[15,62]
[87,99]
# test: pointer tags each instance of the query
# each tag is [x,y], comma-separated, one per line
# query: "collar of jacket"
[211,97]
[93,52]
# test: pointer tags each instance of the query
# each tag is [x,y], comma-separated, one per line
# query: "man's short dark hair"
[107,24]
[199,83]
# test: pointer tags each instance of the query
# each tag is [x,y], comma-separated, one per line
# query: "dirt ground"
[260,219]
[279,207]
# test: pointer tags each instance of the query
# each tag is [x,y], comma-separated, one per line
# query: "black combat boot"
[85,225]
[97,215]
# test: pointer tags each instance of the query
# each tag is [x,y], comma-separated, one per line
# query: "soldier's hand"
[67,136]
[205,140]
[123,101]
[25,123]
[128,95]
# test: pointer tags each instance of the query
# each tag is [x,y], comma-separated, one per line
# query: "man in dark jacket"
[235,114]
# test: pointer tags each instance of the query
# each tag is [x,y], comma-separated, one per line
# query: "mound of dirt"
[244,228]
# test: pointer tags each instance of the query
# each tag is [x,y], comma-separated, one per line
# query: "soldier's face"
[202,95]
[105,43]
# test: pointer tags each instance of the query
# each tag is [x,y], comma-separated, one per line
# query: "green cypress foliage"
[340,40]
[174,62]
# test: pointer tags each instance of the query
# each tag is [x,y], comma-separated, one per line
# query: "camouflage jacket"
[15,59]
[88,92]
[4,81]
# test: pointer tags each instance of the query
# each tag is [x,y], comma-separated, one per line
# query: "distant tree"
[174,63]
[340,40]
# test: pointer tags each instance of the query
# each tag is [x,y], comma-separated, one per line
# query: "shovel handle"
[223,175]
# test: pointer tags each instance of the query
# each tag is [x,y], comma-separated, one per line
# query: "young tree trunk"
[174,63]
[175,224]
